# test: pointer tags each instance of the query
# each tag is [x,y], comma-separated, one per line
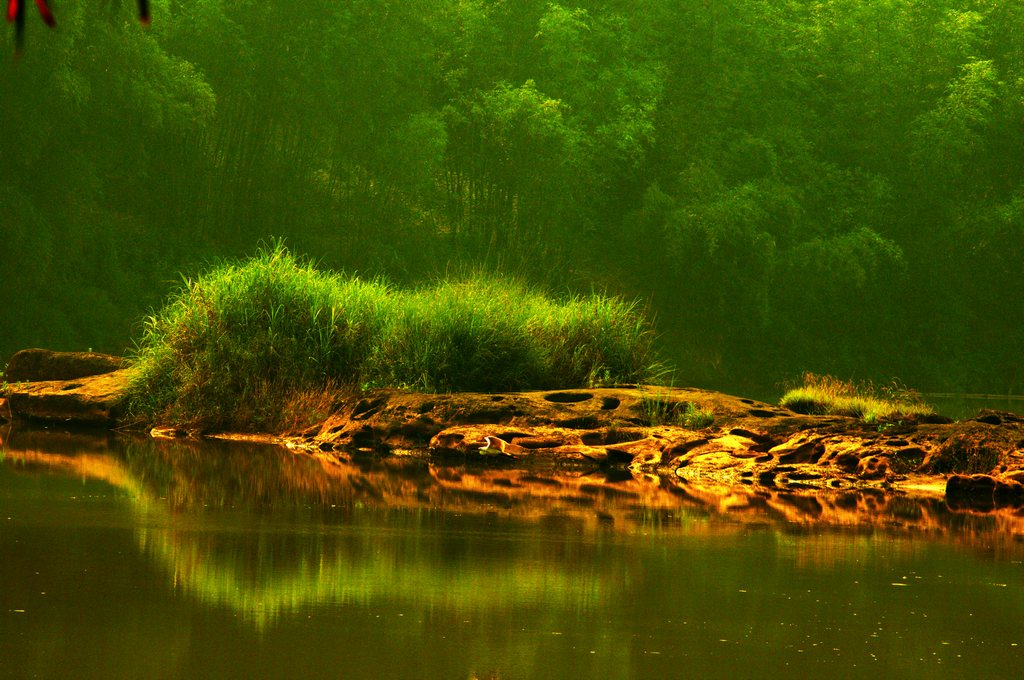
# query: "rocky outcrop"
[36,365]
[641,431]
[93,401]
[72,388]
[687,436]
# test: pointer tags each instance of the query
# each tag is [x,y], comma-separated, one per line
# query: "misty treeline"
[835,186]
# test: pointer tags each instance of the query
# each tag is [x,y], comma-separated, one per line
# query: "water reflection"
[960,406]
[513,573]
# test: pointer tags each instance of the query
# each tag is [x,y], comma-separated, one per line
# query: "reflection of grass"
[825,395]
[267,575]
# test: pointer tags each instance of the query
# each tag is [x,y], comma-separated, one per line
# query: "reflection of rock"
[195,478]
[983,492]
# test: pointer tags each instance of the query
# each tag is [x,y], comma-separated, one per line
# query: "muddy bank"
[631,430]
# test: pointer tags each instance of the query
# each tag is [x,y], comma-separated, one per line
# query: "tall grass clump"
[661,409]
[826,395]
[248,341]
[488,334]
[462,335]
[596,339]
[244,336]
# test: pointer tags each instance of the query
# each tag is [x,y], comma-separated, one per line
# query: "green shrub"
[245,332]
[826,395]
[230,348]
[663,410]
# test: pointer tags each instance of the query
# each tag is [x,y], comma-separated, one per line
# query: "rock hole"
[367,407]
[581,423]
[610,403]
[567,397]
[620,457]
[761,413]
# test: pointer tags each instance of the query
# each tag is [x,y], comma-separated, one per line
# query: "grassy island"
[254,344]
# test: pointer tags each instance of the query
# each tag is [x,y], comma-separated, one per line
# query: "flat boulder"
[94,400]
[36,365]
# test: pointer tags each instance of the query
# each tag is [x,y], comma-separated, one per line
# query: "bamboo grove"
[834,186]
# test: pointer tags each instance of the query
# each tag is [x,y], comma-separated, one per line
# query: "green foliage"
[232,347]
[245,330]
[832,184]
[825,395]
[660,409]
[945,136]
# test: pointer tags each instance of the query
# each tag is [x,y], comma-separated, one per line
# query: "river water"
[132,558]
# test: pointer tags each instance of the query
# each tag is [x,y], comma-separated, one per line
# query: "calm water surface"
[133,558]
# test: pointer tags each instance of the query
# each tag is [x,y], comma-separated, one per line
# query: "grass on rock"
[826,395]
[663,410]
[248,343]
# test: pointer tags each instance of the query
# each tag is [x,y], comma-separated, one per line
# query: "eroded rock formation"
[685,436]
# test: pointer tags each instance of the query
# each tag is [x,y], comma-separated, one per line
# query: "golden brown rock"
[37,365]
[91,401]
[635,431]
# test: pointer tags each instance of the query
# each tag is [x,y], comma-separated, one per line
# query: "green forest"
[833,186]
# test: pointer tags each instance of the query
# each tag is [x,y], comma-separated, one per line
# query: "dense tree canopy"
[835,186]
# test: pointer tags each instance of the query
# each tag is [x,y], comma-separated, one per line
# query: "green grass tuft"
[662,410]
[233,347]
[825,395]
